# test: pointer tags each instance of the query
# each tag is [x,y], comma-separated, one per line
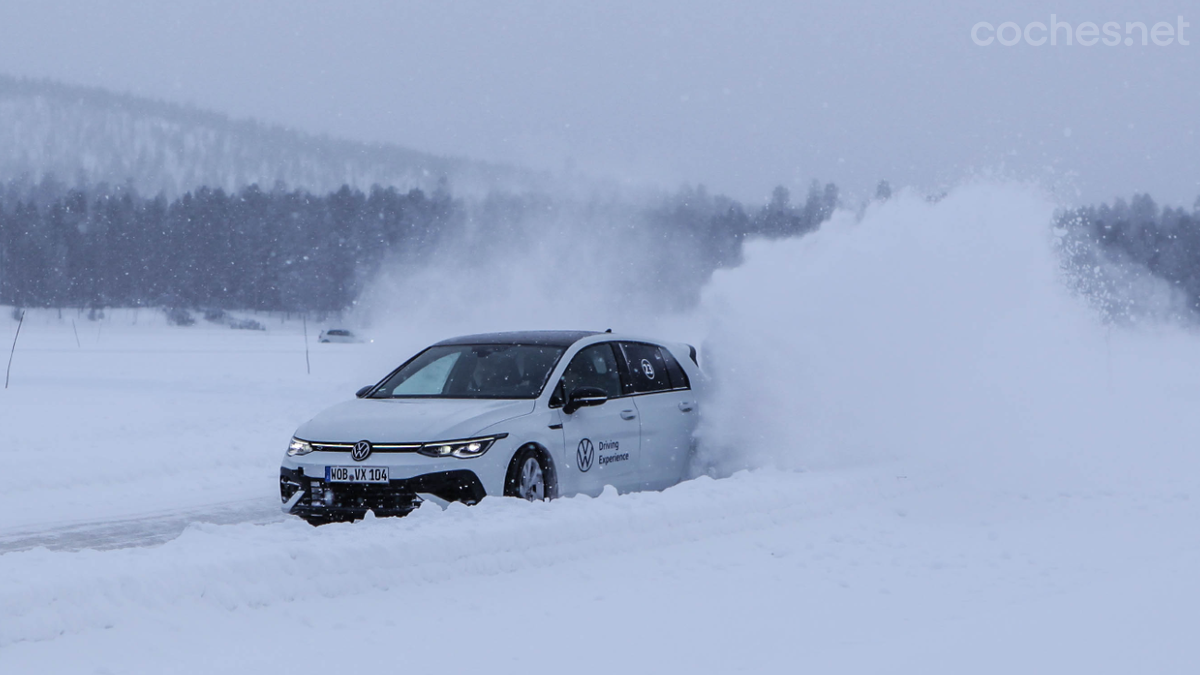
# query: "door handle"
[687,406]
[628,414]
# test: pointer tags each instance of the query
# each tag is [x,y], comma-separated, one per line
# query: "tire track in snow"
[49,593]
[146,530]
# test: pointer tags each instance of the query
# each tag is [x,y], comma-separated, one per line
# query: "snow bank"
[46,594]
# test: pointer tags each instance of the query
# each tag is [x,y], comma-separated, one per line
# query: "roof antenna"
[608,331]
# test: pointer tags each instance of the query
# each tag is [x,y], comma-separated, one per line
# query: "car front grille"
[380,447]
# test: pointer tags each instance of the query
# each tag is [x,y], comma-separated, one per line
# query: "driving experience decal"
[586,454]
[614,448]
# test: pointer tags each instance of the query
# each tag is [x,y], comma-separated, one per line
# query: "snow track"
[849,571]
[146,530]
[249,565]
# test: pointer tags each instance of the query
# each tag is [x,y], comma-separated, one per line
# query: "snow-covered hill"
[92,135]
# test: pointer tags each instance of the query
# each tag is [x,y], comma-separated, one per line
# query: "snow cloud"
[941,332]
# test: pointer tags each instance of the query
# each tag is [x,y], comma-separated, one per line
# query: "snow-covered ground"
[952,468]
[138,418]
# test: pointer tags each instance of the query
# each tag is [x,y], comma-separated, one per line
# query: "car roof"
[548,338]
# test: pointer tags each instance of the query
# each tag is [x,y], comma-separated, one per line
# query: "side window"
[679,378]
[594,366]
[648,370]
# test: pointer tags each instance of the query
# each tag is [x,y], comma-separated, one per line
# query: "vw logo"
[361,451]
[584,454]
[648,368]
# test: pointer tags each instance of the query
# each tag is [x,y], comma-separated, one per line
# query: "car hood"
[409,420]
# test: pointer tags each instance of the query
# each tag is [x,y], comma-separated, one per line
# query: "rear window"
[679,379]
[648,370]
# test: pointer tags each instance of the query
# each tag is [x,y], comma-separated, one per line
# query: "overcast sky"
[740,96]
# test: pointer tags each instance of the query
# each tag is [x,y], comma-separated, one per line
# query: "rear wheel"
[529,477]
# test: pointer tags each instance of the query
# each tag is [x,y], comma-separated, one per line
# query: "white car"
[535,415]
[337,335]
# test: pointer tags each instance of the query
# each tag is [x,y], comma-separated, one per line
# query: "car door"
[668,410]
[603,442]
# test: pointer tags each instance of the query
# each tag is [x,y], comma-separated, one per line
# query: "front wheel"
[529,477]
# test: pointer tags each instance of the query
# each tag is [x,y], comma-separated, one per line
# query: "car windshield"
[473,371]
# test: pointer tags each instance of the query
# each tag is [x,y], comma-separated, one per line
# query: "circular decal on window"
[648,368]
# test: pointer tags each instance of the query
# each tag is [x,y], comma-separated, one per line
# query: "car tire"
[530,476]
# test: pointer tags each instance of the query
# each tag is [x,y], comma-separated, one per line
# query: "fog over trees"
[292,250]
[1113,246]
[284,249]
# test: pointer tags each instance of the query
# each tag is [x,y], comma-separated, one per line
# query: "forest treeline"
[1132,236]
[291,250]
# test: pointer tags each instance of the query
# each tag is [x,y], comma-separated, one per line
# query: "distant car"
[534,415]
[246,324]
[337,335]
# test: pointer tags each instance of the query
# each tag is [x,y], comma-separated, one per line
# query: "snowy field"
[135,419]
[924,456]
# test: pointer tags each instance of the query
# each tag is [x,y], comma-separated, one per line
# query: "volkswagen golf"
[534,415]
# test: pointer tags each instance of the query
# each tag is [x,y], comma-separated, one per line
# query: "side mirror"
[363,392]
[584,397]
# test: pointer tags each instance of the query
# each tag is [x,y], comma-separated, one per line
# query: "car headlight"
[464,449]
[299,447]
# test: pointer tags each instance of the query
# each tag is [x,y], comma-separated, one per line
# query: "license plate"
[356,474]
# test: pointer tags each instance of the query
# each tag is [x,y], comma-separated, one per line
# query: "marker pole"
[307,365]
[14,349]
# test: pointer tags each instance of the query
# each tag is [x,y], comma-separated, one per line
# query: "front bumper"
[315,499]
